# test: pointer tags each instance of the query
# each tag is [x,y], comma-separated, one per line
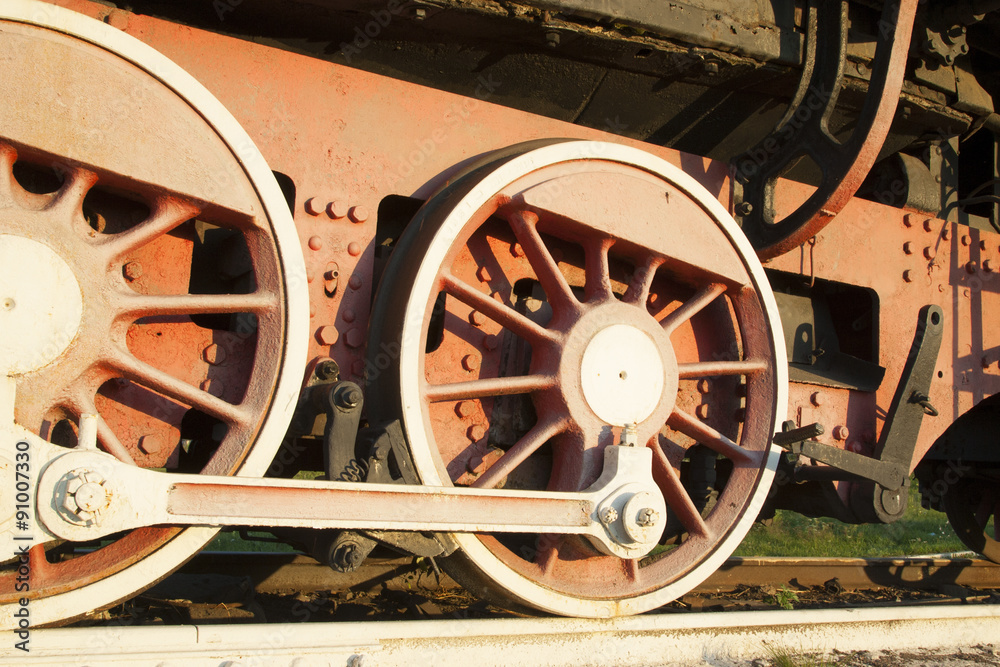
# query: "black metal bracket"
[910,405]
[344,401]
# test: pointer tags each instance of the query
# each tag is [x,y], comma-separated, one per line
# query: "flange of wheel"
[973,509]
[158,267]
[550,297]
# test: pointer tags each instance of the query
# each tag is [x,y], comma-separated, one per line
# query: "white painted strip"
[664,639]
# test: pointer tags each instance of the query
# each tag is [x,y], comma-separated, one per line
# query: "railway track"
[278,573]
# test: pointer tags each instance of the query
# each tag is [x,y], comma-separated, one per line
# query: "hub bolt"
[609,515]
[84,497]
[647,517]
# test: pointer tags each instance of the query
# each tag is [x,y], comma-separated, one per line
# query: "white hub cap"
[622,375]
[40,304]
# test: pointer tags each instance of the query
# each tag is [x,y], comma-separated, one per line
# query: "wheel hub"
[40,304]
[623,374]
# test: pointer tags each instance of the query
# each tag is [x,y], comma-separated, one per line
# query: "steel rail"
[675,639]
[284,573]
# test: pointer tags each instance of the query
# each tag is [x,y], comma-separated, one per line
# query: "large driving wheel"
[173,271]
[553,294]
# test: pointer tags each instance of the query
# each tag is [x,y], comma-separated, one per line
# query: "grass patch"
[919,532]
[782,658]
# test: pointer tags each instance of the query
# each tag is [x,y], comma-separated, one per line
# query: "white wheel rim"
[411,355]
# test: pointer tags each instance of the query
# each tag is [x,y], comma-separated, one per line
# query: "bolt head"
[966,240]
[908,248]
[817,399]
[929,224]
[349,398]
[476,432]
[609,515]
[464,409]
[358,214]
[336,210]
[327,370]
[970,267]
[149,444]
[702,411]
[517,250]
[214,354]
[704,385]
[647,517]
[470,362]
[476,318]
[132,271]
[929,252]
[327,335]
[91,497]
[483,274]
[908,276]
[314,206]
[841,433]
[988,265]
[354,338]
[491,342]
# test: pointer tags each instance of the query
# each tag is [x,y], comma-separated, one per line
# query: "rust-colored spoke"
[701,369]
[548,556]
[68,201]
[540,433]
[598,274]
[168,385]
[167,214]
[111,444]
[498,312]
[503,386]
[81,403]
[674,493]
[692,306]
[708,436]
[143,305]
[642,281]
[553,282]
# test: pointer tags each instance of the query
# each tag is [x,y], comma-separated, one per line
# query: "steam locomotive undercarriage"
[565,294]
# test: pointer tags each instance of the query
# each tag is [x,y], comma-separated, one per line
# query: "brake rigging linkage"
[879,494]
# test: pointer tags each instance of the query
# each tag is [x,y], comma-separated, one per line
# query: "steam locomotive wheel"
[973,509]
[175,258]
[548,297]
